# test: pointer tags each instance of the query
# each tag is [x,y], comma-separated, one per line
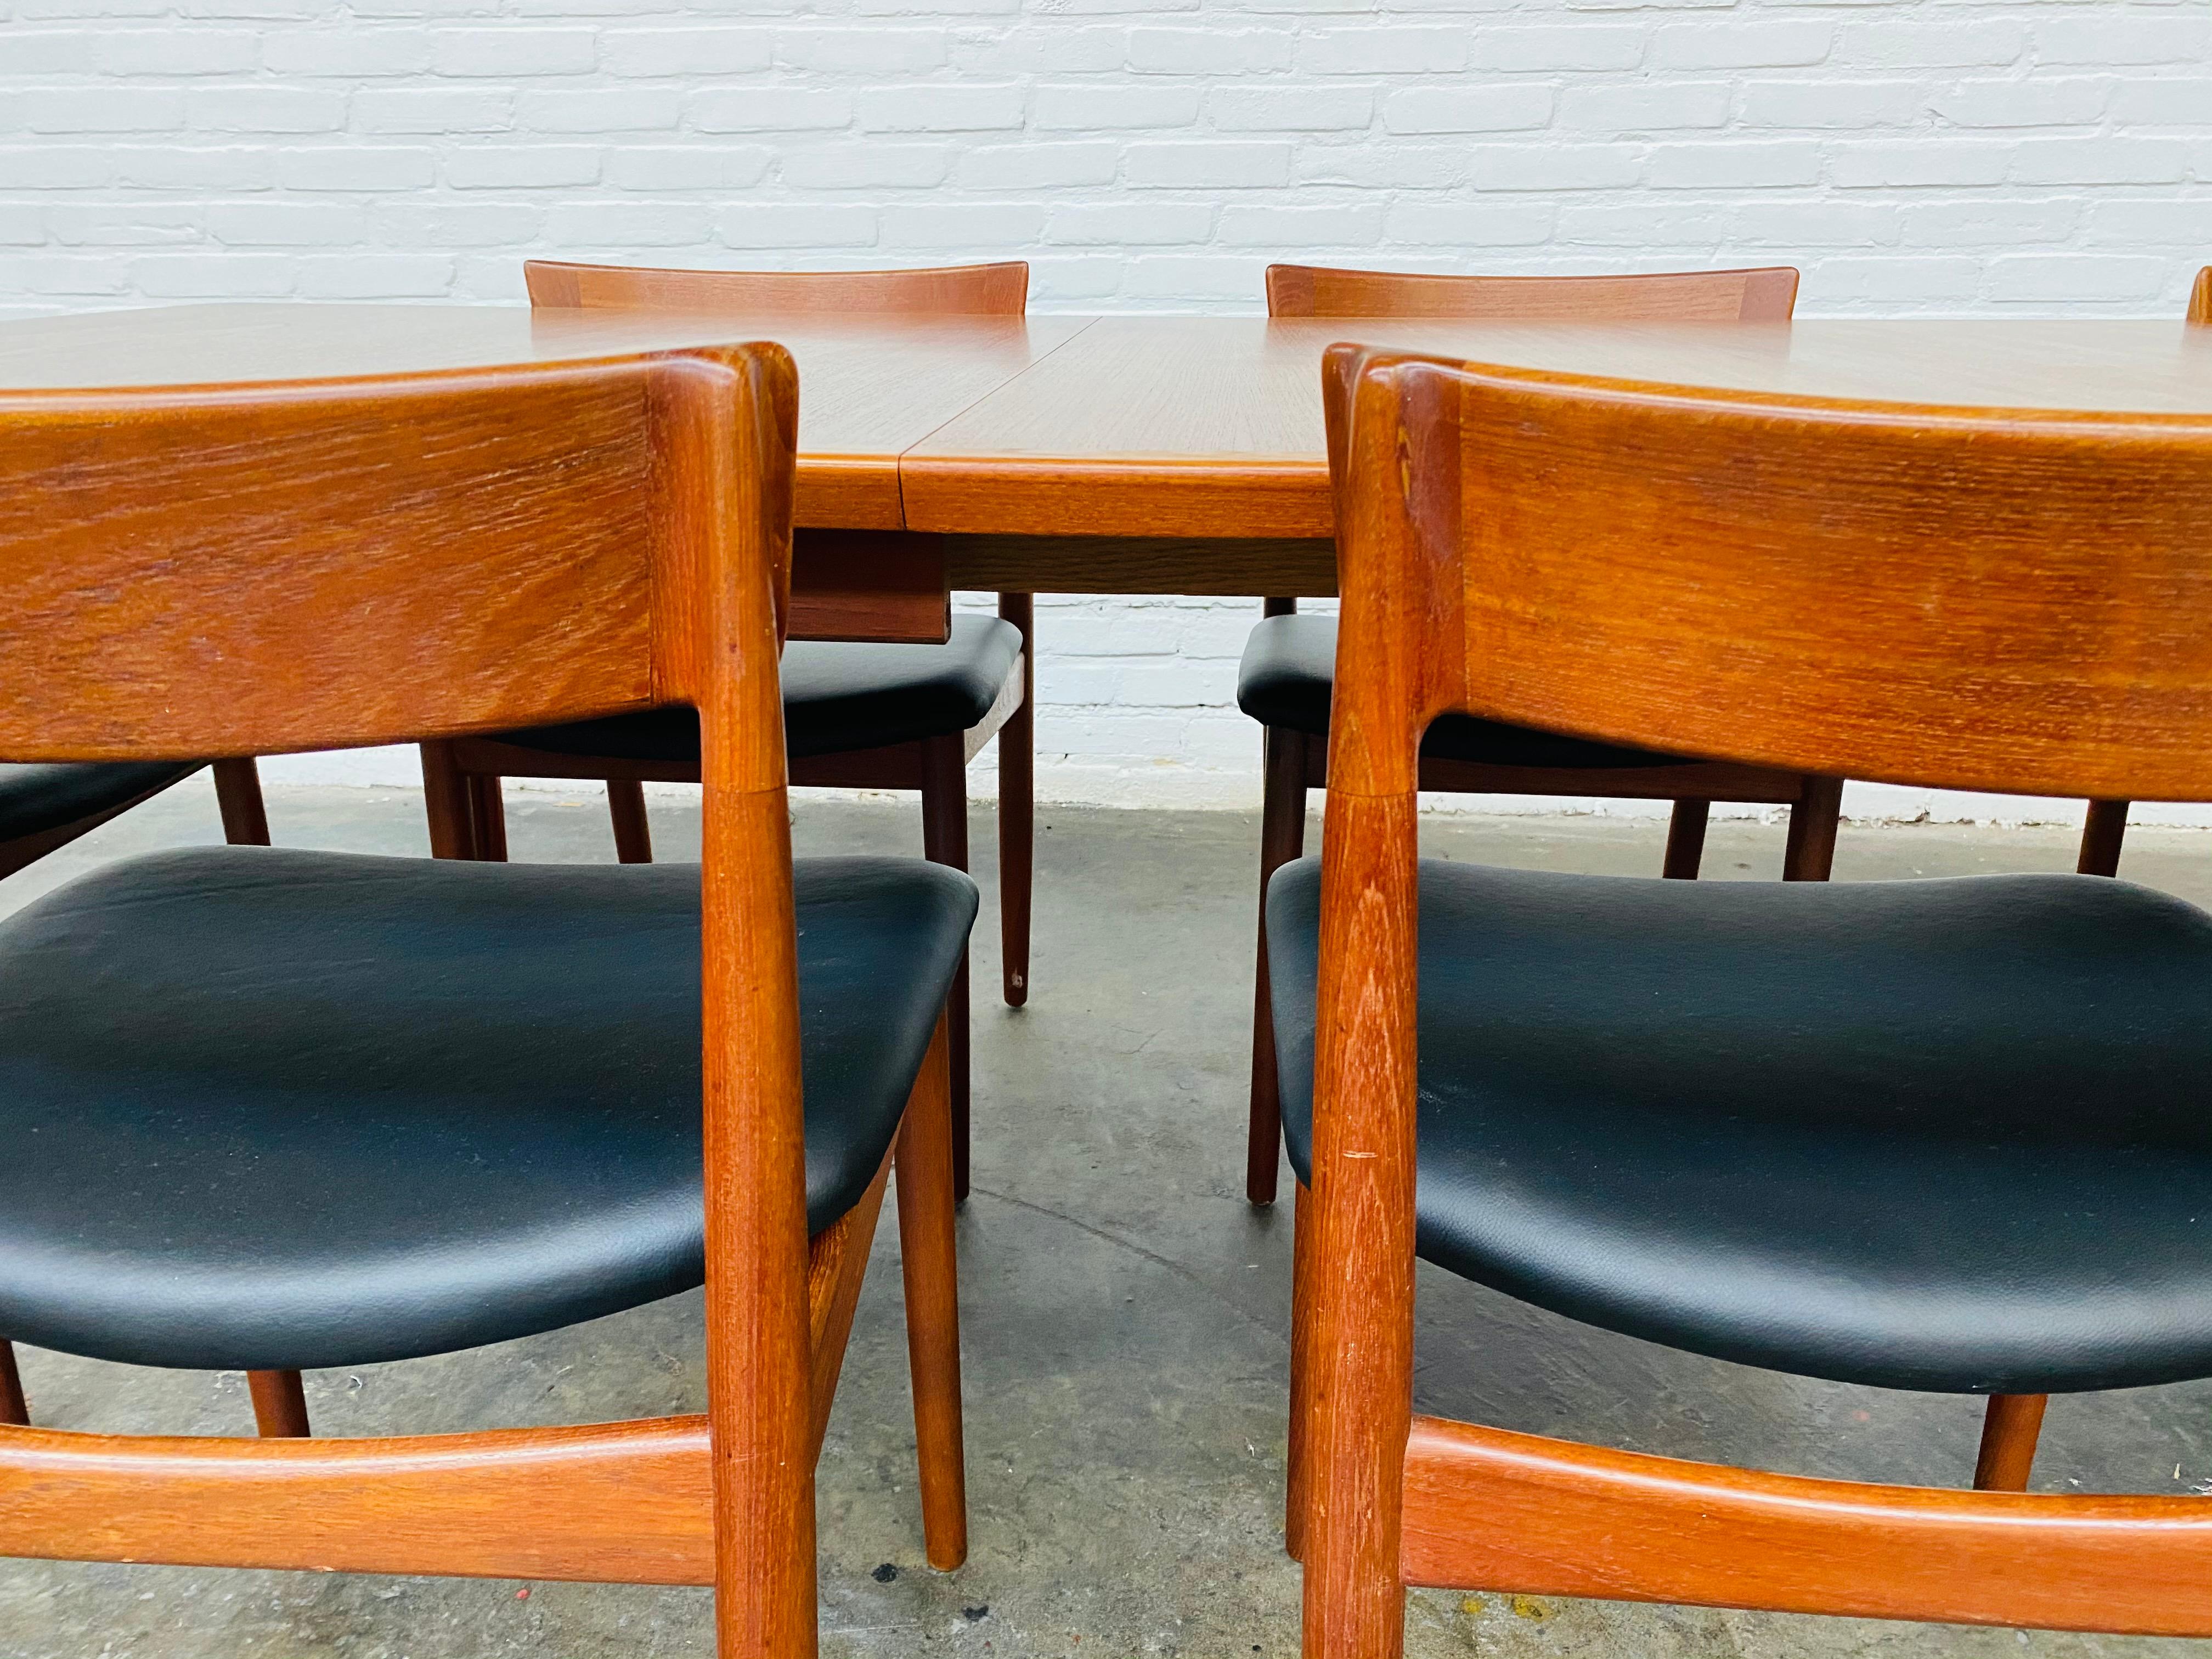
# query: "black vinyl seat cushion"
[1950,1134]
[1288,675]
[265,1109]
[838,696]
[36,798]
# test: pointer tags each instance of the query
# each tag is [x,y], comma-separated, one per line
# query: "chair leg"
[1282,838]
[1685,840]
[15,1410]
[445,804]
[237,794]
[1018,807]
[633,831]
[929,1262]
[945,840]
[280,1405]
[488,807]
[2101,835]
[1811,852]
[2009,1428]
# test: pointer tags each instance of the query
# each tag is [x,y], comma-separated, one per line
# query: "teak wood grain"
[1486,1509]
[1932,595]
[876,383]
[235,570]
[999,289]
[1066,428]
[1212,427]
[870,584]
[2068,684]
[1766,295]
[156,573]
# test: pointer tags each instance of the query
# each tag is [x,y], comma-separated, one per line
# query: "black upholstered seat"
[276,1109]
[838,696]
[1289,672]
[1945,1134]
[34,799]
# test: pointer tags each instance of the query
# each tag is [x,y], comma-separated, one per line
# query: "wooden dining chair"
[2106,826]
[857,715]
[1285,679]
[44,808]
[1842,1132]
[274,1110]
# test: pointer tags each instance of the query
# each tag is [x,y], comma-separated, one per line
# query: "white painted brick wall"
[1934,156]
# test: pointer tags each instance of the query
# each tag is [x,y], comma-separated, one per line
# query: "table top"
[1213,426]
[1126,426]
[870,387]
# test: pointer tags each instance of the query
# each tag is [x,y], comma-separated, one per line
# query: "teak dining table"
[1173,455]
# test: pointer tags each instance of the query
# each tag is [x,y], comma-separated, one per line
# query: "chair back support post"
[759,1348]
[1360,1337]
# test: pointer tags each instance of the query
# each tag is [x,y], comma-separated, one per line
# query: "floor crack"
[1131,1245]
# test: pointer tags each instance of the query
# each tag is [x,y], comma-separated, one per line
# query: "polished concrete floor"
[1124,1319]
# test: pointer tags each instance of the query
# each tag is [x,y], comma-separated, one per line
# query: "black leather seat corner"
[1945,1134]
[1288,677]
[838,697]
[274,1110]
[36,799]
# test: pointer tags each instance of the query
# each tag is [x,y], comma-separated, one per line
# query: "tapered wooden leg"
[238,795]
[945,840]
[1685,840]
[2009,1428]
[1302,1302]
[633,831]
[488,807]
[1282,838]
[760,1398]
[1359,1358]
[280,1405]
[446,803]
[1811,852]
[15,1410]
[1018,807]
[932,1303]
[2101,835]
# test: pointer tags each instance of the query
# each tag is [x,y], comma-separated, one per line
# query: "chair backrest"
[1767,294]
[1966,598]
[254,569]
[992,290]
[2200,297]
